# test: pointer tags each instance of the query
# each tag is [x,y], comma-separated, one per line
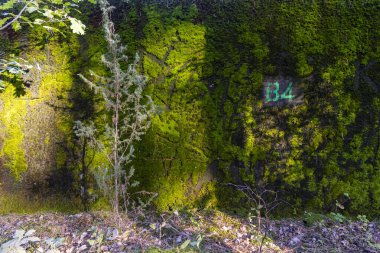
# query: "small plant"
[337,217]
[97,238]
[265,201]
[128,110]
[311,218]
[193,243]
[362,218]
[165,223]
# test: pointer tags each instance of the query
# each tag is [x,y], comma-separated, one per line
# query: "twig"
[17,17]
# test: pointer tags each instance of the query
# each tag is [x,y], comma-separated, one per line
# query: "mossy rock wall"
[36,125]
[206,62]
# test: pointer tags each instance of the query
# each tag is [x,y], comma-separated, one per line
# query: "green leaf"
[153,226]
[38,21]
[16,26]
[99,239]
[8,5]
[49,28]
[135,183]
[3,21]
[185,244]
[199,243]
[31,9]
[77,26]
[53,29]
[27,20]
[48,13]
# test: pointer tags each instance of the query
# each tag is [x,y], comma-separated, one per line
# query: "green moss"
[206,67]
[12,122]
[174,149]
[19,203]
[37,126]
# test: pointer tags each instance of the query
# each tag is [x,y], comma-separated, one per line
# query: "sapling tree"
[128,110]
[86,139]
[265,201]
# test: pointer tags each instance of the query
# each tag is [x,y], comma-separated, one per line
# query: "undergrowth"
[20,204]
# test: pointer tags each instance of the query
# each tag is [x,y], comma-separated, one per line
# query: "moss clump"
[37,125]
[12,113]
[174,149]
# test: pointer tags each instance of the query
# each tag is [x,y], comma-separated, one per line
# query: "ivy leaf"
[16,26]
[48,13]
[77,26]
[31,9]
[27,20]
[3,21]
[8,5]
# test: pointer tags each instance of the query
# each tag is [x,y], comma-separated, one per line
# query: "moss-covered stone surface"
[206,62]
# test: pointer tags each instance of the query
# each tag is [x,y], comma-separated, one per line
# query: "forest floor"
[199,231]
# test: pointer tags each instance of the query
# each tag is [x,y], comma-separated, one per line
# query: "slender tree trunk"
[84,176]
[116,134]
[115,121]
